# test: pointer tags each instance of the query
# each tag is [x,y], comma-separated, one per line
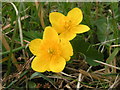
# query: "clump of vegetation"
[96,59]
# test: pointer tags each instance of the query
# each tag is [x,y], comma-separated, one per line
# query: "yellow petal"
[75,15]
[67,35]
[34,46]
[80,29]
[57,21]
[57,64]
[50,34]
[67,49]
[40,64]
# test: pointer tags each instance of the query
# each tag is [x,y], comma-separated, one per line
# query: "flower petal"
[34,46]
[67,35]
[50,34]
[40,64]
[57,64]
[57,21]
[75,15]
[67,49]
[80,29]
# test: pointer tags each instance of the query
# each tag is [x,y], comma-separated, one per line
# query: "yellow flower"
[51,52]
[68,26]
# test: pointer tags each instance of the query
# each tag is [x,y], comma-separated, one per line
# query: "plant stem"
[14,50]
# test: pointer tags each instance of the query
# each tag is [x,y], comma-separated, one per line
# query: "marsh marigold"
[68,26]
[51,52]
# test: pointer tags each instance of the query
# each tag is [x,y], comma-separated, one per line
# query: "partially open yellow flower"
[68,26]
[51,52]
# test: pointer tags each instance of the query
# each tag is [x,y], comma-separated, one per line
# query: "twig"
[67,74]
[1,87]
[112,47]
[9,31]
[26,64]
[111,58]
[4,59]
[7,26]
[87,86]
[115,83]
[67,86]
[90,75]
[106,41]
[20,28]
[98,71]
[7,47]
[40,13]
[72,69]
[80,78]
[107,64]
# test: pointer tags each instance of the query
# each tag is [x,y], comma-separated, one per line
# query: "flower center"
[51,51]
[67,23]
[54,50]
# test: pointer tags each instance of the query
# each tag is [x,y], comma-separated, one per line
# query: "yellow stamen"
[51,51]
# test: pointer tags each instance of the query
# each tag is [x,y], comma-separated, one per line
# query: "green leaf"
[111,74]
[30,35]
[112,56]
[104,31]
[38,74]
[80,46]
[31,84]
